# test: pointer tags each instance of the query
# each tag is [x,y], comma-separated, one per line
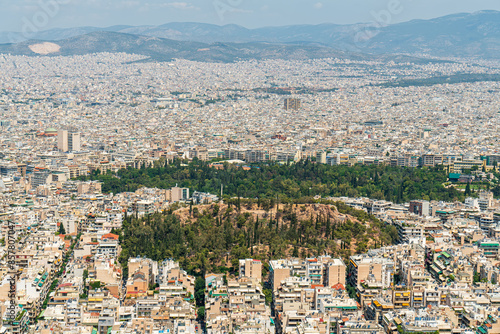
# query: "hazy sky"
[47,14]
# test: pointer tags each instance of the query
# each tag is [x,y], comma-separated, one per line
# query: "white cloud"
[318,5]
[182,6]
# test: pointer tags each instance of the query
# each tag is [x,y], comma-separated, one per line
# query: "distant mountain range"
[162,49]
[459,35]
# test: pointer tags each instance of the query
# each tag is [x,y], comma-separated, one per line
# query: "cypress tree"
[327,227]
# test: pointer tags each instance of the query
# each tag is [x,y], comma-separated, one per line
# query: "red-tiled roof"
[338,286]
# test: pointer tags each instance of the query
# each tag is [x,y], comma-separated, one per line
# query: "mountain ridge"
[463,35]
[162,49]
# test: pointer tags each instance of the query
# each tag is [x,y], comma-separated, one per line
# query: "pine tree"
[61,229]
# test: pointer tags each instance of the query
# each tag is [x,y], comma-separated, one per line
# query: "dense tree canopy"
[290,182]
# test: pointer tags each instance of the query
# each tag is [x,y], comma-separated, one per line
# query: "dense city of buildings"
[275,109]
[65,117]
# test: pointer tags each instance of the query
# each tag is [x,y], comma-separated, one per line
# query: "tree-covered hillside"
[212,238]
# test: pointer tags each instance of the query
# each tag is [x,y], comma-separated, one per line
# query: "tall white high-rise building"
[68,141]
